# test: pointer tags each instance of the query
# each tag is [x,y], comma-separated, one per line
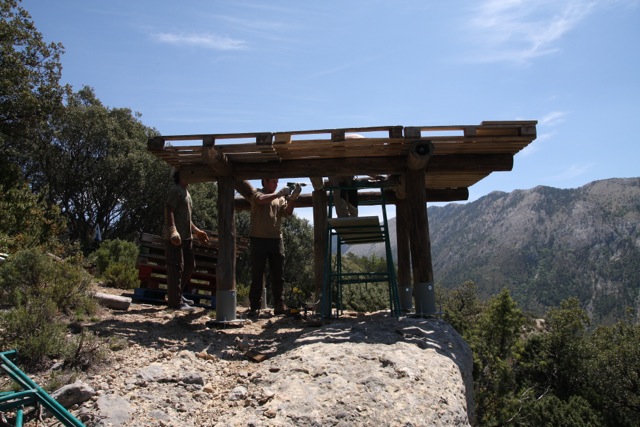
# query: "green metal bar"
[52,405]
[339,306]
[16,399]
[19,417]
[326,283]
[366,231]
[394,298]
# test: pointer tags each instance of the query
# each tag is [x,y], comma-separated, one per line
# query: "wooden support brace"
[317,183]
[155,144]
[412,132]
[244,188]
[265,138]
[338,135]
[282,138]
[401,188]
[216,160]
[208,141]
[395,132]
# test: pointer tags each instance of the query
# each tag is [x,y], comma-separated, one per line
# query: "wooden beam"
[447,194]
[321,167]
[470,162]
[437,195]
[453,163]
[431,195]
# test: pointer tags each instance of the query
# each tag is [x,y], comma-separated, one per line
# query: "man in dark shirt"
[178,233]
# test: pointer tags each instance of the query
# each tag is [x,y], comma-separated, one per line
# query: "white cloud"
[208,41]
[522,30]
[573,171]
[553,118]
[547,121]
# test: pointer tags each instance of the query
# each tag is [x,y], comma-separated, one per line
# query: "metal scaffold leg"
[31,395]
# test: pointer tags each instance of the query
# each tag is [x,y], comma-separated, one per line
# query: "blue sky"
[229,66]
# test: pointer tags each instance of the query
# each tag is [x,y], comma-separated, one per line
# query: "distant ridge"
[545,244]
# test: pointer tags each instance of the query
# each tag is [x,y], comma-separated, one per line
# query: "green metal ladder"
[353,231]
[30,395]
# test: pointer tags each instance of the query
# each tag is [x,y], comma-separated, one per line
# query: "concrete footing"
[425,299]
[225,305]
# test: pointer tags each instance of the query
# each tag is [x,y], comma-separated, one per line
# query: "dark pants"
[180,265]
[261,251]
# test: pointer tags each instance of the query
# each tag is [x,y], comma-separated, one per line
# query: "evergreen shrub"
[115,262]
[38,291]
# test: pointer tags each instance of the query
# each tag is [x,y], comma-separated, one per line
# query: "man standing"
[178,233]
[268,208]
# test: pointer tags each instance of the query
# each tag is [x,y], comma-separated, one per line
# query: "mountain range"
[544,244]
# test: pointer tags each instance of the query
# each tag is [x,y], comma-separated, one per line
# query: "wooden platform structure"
[425,164]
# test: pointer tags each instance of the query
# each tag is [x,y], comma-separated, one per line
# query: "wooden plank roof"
[460,157]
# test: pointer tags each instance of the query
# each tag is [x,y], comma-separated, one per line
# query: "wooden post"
[226,266]
[405,288]
[424,294]
[319,240]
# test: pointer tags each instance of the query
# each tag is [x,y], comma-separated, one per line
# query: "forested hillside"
[545,244]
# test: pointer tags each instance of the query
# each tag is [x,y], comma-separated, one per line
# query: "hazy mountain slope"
[545,244]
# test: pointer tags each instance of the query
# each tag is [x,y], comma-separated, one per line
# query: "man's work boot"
[279,308]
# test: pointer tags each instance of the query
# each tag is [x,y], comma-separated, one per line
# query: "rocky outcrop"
[354,371]
[395,373]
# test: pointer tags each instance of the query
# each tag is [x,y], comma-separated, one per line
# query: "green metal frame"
[31,395]
[337,278]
